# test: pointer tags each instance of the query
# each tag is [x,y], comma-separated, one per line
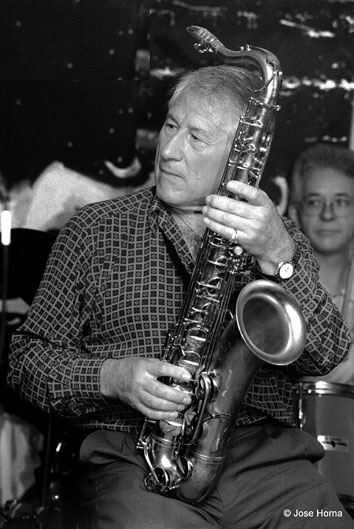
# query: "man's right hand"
[134,381]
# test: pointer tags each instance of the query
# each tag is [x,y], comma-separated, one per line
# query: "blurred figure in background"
[321,203]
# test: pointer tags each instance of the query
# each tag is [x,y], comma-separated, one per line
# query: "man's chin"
[168,194]
[178,198]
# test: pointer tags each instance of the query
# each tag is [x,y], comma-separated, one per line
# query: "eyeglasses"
[340,206]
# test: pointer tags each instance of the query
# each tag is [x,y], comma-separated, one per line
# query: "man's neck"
[192,219]
[192,228]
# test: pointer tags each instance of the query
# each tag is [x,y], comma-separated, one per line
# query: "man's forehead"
[327,179]
[202,112]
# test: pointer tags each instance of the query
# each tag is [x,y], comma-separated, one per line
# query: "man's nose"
[172,148]
[327,210]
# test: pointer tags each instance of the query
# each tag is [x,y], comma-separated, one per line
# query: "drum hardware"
[330,442]
[45,505]
[45,512]
[326,411]
[22,515]
[36,509]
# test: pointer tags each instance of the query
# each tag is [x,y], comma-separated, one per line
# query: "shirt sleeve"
[49,364]
[328,338]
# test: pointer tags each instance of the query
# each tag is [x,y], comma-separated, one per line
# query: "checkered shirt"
[112,289]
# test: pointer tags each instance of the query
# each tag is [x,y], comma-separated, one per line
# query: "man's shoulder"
[138,202]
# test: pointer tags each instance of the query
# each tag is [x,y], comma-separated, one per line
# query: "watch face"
[286,270]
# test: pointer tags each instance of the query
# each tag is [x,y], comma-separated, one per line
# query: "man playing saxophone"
[90,348]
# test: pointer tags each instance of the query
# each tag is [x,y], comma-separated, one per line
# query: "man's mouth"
[323,233]
[167,171]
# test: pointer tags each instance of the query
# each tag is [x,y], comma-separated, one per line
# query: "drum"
[326,411]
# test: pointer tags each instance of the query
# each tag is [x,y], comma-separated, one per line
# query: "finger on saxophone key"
[188,395]
[176,372]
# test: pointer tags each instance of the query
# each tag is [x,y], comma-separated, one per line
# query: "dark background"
[76,83]
[69,82]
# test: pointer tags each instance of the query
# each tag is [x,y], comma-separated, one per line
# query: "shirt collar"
[160,217]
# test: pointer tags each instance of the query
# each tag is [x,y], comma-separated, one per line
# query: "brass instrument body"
[268,327]
[185,456]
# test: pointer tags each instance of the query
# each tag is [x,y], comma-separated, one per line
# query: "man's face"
[193,148]
[328,232]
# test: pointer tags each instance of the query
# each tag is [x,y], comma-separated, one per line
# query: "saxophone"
[185,456]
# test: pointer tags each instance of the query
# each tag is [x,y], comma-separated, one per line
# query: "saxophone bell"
[270,322]
[268,327]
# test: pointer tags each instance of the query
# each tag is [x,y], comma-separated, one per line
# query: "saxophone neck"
[249,56]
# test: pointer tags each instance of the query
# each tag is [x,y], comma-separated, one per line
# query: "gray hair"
[319,155]
[222,85]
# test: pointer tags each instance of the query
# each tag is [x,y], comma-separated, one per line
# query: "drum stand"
[28,513]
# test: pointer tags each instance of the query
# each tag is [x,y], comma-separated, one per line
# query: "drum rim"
[326,388]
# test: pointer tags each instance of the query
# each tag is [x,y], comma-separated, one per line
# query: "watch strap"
[275,277]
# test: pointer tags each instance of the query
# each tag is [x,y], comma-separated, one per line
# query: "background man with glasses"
[321,203]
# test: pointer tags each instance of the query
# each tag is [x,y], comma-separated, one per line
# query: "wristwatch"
[285,270]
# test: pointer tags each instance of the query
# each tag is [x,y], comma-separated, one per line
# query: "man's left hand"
[260,229]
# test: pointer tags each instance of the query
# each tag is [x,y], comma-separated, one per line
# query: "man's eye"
[313,202]
[170,126]
[341,202]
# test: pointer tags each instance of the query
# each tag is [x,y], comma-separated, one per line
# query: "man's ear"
[293,214]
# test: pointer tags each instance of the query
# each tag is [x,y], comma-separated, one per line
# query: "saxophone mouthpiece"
[195,31]
[207,41]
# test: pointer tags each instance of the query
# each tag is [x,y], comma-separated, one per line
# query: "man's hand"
[260,229]
[134,381]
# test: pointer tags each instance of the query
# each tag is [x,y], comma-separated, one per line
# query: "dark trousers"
[269,481]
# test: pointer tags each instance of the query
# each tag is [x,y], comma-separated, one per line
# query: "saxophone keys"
[238,250]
